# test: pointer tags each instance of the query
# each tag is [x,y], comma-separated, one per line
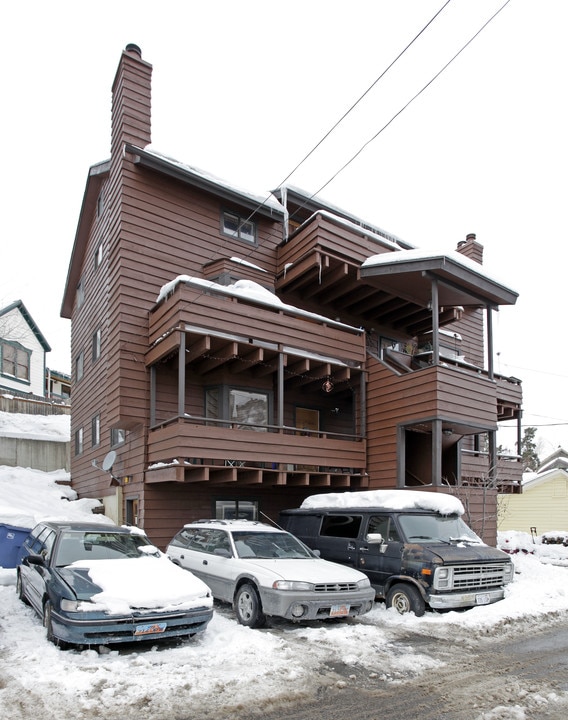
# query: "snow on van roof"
[441,503]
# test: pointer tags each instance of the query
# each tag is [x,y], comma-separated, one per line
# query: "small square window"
[98,255]
[79,364]
[80,294]
[239,227]
[117,436]
[79,441]
[96,345]
[96,430]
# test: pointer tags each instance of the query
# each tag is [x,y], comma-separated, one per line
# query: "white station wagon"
[264,571]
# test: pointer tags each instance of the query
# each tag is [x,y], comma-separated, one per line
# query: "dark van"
[414,546]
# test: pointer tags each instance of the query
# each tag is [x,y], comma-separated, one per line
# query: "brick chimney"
[131,101]
[471,248]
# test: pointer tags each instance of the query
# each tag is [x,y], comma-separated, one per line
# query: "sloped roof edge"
[267,206]
[19,305]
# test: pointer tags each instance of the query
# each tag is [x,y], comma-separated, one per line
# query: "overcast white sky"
[245,89]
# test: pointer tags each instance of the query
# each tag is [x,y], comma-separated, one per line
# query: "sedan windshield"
[269,545]
[75,546]
[437,528]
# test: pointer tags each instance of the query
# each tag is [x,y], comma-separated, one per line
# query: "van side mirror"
[34,560]
[374,539]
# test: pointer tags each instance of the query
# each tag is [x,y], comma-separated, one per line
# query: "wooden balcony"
[209,310]
[201,450]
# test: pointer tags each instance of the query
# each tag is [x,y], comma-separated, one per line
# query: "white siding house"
[22,351]
[543,501]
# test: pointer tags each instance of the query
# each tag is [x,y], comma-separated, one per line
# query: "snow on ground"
[56,428]
[231,665]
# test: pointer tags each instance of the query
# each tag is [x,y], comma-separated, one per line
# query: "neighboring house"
[57,385]
[233,354]
[22,351]
[543,502]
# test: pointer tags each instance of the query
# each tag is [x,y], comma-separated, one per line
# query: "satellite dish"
[108,462]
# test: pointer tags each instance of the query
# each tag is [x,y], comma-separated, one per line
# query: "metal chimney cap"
[132,47]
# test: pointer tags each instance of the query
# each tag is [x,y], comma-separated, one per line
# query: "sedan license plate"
[483,599]
[150,628]
[339,611]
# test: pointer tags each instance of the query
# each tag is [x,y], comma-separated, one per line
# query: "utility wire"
[367,91]
[345,114]
[417,95]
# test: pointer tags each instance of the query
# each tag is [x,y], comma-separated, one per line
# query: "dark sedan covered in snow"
[100,584]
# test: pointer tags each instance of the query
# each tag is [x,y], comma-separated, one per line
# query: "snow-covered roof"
[441,503]
[250,291]
[265,204]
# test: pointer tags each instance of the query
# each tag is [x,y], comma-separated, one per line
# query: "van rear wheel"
[406,598]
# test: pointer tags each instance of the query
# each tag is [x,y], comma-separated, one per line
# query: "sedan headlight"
[69,605]
[363,583]
[292,585]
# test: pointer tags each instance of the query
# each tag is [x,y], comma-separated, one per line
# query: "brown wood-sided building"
[233,354]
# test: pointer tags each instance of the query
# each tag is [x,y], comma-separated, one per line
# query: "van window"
[383,524]
[344,526]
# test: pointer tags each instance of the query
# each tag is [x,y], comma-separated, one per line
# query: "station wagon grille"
[478,576]
[335,587]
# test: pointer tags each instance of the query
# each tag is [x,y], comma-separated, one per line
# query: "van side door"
[380,561]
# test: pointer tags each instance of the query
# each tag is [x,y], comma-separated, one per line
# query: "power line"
[367,91]
[417,95]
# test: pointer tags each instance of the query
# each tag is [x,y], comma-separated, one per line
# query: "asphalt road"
[519,675]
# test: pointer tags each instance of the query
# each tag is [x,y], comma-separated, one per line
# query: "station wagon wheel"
[248,607]
[20,589]
[405,598]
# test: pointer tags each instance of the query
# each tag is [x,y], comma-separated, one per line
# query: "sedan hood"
[119,586]
[313,570]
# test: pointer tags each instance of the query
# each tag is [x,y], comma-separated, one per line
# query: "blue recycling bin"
[11,539]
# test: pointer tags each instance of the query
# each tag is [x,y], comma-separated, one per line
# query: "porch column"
[152,395]
[181,375]
[437,453]
[401,456]
[280,390]
[489,323]
[435,323]
[492,437]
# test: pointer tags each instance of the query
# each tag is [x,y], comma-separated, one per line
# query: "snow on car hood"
[313,570]
[135,583]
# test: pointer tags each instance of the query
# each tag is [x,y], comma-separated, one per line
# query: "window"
[96,430]
[117,436]
[383,525]
[249,409]
[100,204]
[79,441]
[80,294]
[244,409]
[342,526]
[96,345]
[98,255]
[239,227]
[236,510]
[79,364]
[15,361]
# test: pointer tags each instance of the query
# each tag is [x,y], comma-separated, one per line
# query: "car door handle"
[205,562]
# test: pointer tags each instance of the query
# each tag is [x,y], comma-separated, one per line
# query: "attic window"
[239,227]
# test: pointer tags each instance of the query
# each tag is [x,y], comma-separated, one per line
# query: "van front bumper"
[465,599]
